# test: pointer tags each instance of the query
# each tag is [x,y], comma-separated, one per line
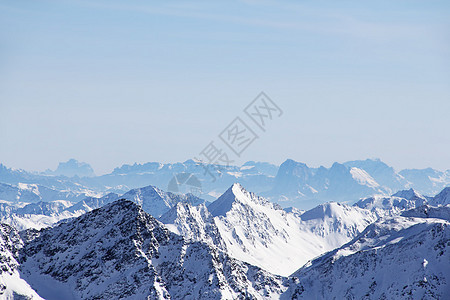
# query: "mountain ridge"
[121,251]
[290,184]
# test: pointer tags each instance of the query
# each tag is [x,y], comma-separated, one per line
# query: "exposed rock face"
[119,251]
[396,258]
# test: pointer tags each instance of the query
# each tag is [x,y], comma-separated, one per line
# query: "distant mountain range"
[23,215]
[291,184]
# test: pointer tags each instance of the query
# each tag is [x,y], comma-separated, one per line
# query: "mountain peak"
[125,206]
[291,164]
[325,210]
[339,212]
[225,202]
[72,168]
[236,193]
[410,194]
[189,162]
[392,205]
[339,168]
[443,198]
[157,202]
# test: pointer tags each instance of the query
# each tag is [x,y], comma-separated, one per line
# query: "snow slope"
[42,214]
[427,181]
[261,233]
[157,202]
[443,198]
[382,173]
[363,178]
[393,205]
[394,258]
[12,286]
[427,211]
[28,193]
[194,223]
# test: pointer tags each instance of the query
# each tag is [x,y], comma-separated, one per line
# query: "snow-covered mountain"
[443,198]
[22,215]
[43,214]
[291,184]
[156,201]
[27,193]
[383,174]
[12,286]
[392,205]
[298,185]
[412,195]
[213,178]
[254,230]
[427,211]
[44,208]
[90,203]
[36,215]
[194,223]
[427,181]
[16,177]
[394,258]
[119,251]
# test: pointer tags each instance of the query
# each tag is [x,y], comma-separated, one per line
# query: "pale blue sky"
[113,82]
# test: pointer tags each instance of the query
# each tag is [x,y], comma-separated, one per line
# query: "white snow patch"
[363,178]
